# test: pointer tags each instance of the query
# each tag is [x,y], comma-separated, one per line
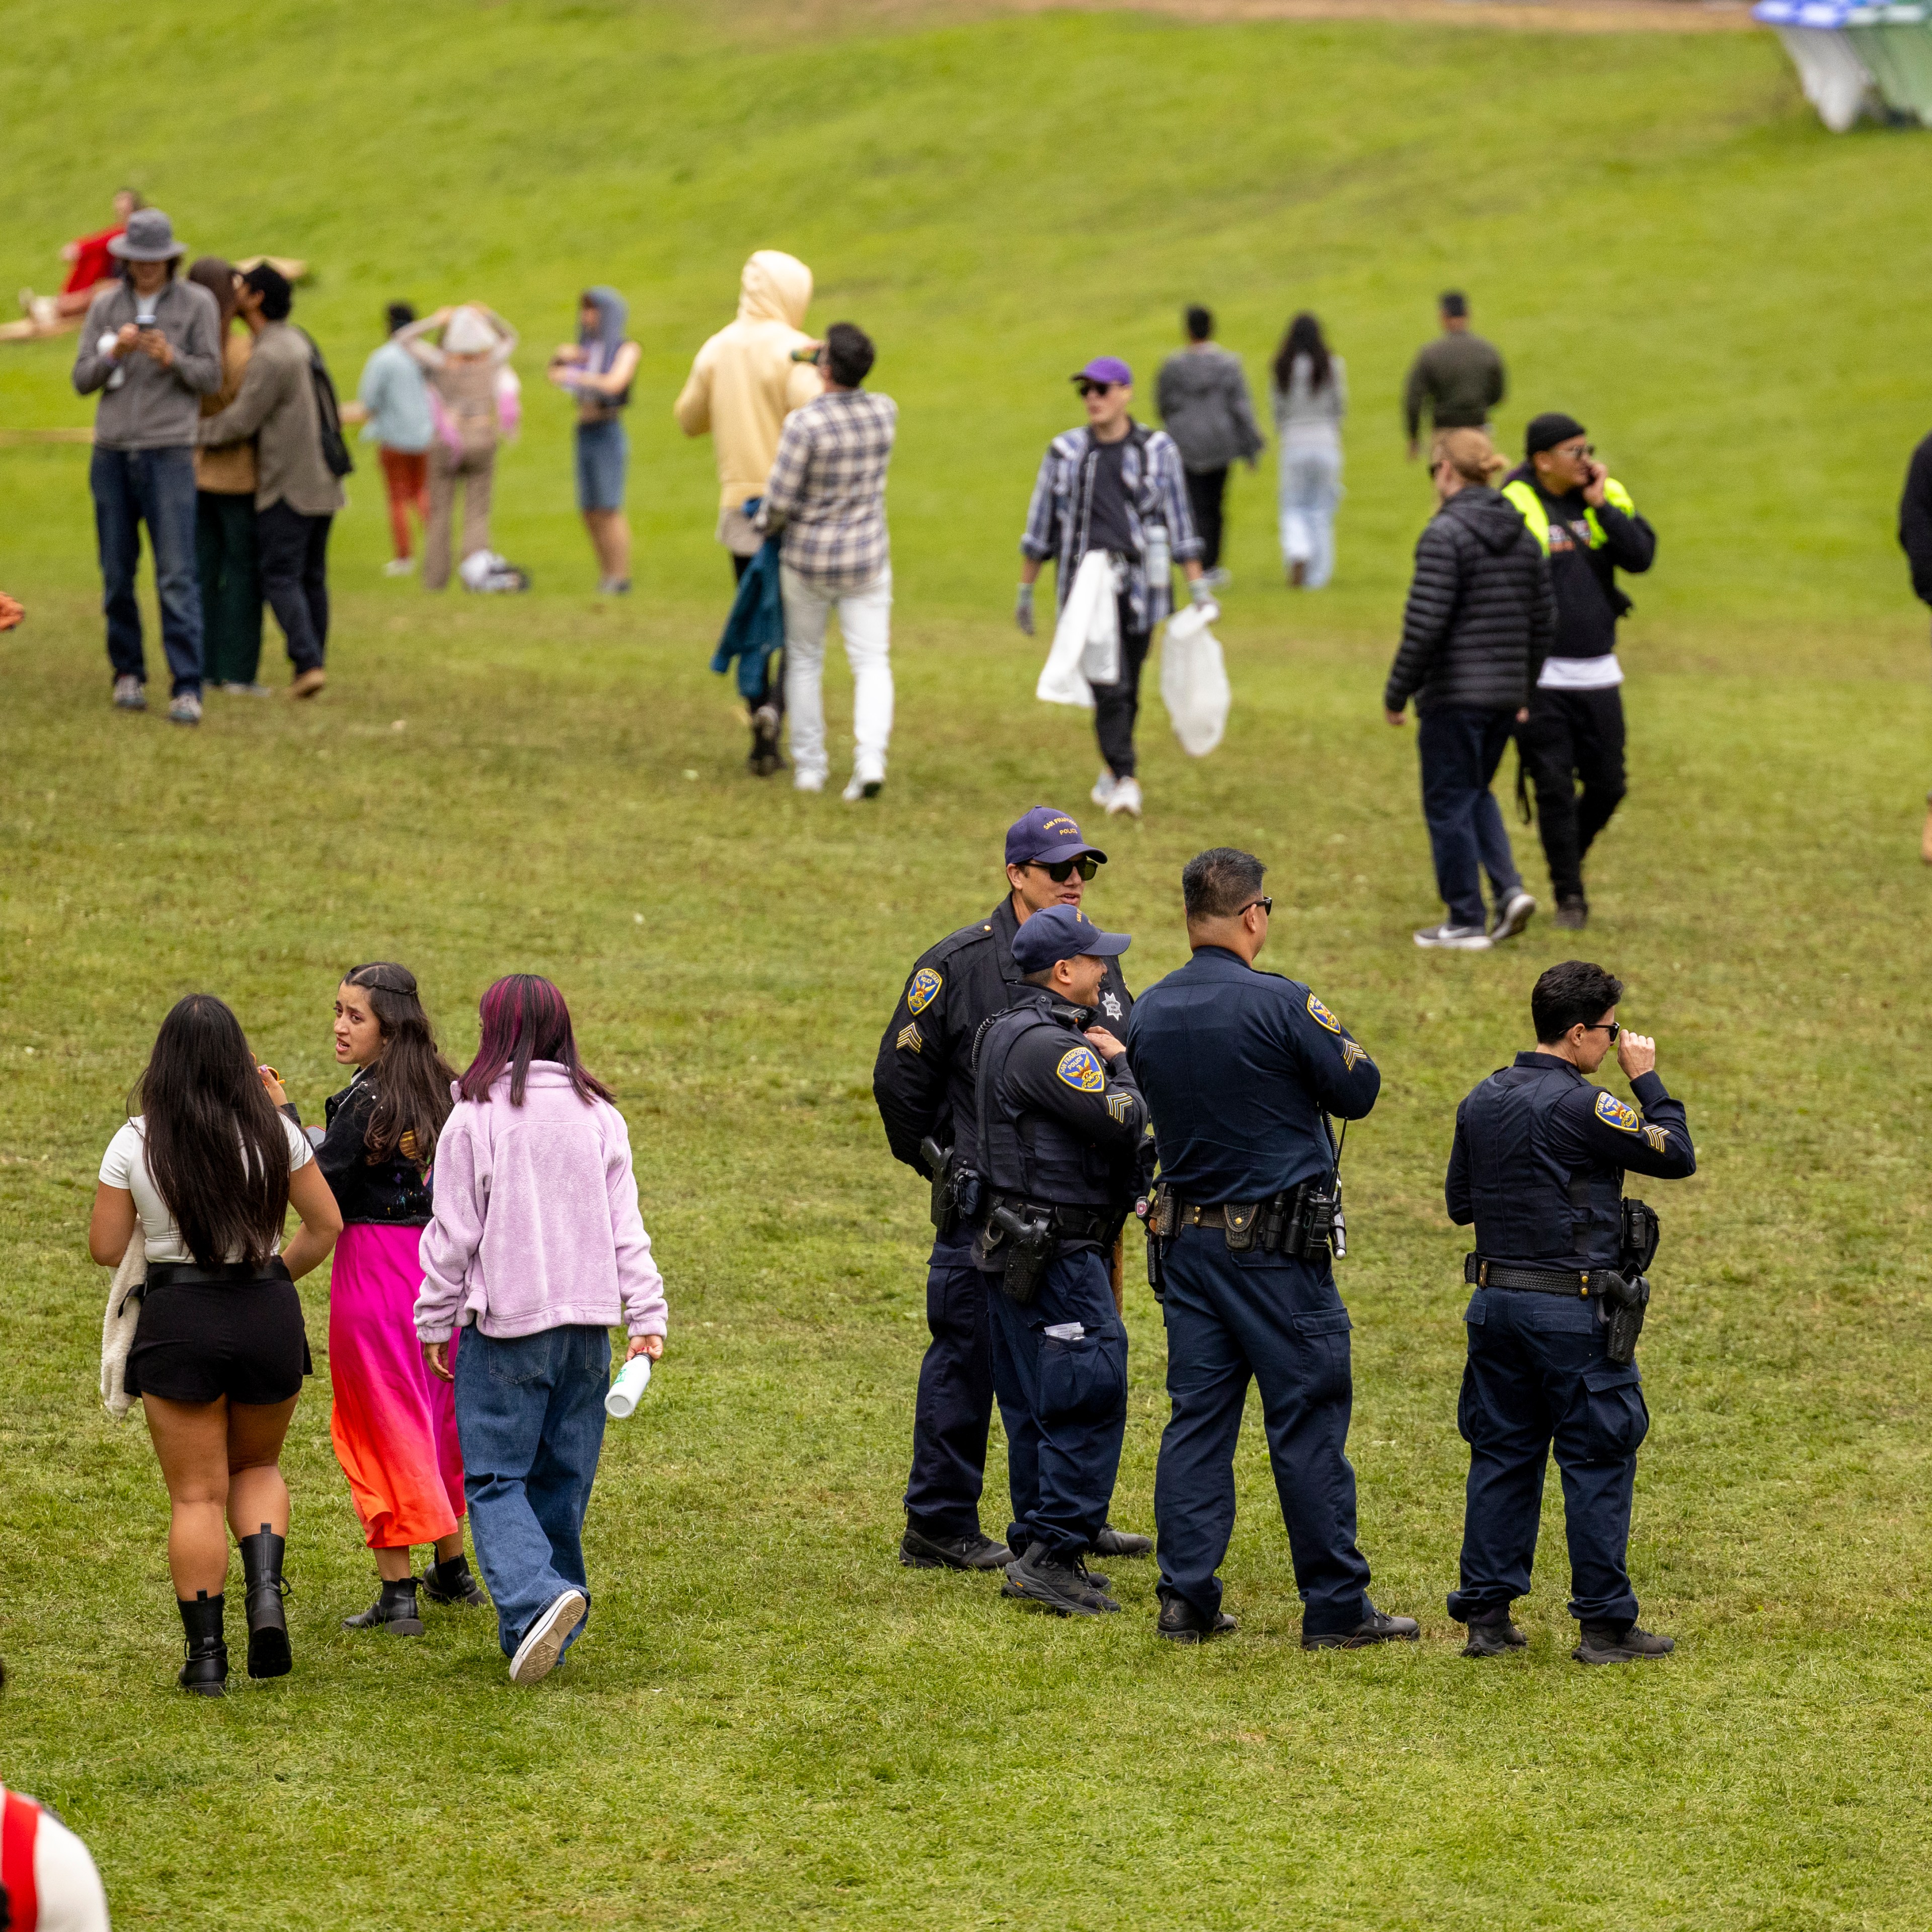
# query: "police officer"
[1538,1166]
[922,1081]
[1240,1070]
[1589,529]
[1061,1128]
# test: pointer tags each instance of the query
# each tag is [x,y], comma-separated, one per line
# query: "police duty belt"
[1067,1224]
[1582,1282]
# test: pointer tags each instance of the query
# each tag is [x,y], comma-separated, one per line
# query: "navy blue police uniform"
[1060,1137]
[922,1082]
[1240,1069]
[1538,1166]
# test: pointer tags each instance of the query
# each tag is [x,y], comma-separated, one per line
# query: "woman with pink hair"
[537,1247]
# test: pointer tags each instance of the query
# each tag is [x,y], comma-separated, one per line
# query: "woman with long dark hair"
[1311,397]
[537,1243]
[393,1424]
[207,1169]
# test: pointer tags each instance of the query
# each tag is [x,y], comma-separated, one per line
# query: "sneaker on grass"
[400,566]
[1125,797]
[185,710]
[128,694]
[1454,938]
[543,1642]
[1512,916]
[1103,787]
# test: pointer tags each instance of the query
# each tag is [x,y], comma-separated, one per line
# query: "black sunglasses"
[1266,903]
[1610,1027]
[1061,870]
[1095,389]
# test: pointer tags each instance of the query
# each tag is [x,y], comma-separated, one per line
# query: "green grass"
[770,1722]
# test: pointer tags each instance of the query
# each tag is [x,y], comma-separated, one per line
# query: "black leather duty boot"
[206,1673]
[269,1653]
[1492,1634]
[452,1581]
[393,1611]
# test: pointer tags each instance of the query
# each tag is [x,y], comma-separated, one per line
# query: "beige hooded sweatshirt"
[743,382]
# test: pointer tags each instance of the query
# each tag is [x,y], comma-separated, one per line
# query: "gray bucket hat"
[150,237]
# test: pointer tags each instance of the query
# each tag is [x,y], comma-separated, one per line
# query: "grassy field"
[770,1722]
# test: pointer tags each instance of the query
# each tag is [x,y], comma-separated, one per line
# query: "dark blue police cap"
[1062,932]
[1044,837]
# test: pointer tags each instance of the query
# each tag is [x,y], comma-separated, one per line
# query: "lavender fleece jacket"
[536,1223]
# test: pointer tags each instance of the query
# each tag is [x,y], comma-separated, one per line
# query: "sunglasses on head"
[1095,389]
[1061,870]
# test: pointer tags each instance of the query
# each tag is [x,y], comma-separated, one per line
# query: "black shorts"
[199,1339]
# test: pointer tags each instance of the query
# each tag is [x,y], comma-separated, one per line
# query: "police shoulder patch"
[1322,1016]
[924,990]
[1619,1114]
[1080,1070]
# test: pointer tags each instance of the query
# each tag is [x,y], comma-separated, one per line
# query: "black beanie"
[1546,431]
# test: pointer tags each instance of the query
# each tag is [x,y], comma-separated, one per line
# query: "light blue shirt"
[394,392]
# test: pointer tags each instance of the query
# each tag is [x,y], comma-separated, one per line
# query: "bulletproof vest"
[1027,1153]
[1530,1204]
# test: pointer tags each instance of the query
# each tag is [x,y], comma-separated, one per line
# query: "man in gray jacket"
[296,493]
[151,346]
[1204,406]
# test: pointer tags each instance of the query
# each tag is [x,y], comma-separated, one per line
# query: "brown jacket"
[277,406]
[229,471]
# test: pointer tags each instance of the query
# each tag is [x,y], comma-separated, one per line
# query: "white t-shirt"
[1580,673]
[125,1165]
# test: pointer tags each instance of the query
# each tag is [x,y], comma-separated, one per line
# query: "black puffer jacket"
[1481,615]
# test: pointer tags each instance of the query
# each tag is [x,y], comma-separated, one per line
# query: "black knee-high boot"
[206,1673]
[269,1653]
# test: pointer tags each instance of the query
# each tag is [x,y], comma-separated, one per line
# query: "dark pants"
[1537,1374]
[295,559]
[1230,1318]
[229,569]
[954,1410]
[1117,706]
[771,692]
[1206,493]
[154,487]
[1572,734]
[1064,1402]
[529,1418]
[1460,750]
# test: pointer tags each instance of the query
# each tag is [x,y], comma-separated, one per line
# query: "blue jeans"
[529,1416]
[1460,750]
[1311,490]
[603,455]
[154,487]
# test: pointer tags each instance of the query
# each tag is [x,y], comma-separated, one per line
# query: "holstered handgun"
[945,1185]
[1029,1246]
[1625,1298]
[1162,1215]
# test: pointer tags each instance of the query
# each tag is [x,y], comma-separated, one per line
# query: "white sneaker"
[128,695]
[400,566]
[861,787]
[1454,938]
[1125,797]
[1103,787]
[186,710]
[807,782]
[537,1654]
[1512,917]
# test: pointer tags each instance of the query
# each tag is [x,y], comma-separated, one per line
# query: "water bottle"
[627,1391]
[1159,559]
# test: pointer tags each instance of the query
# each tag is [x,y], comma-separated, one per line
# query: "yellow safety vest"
[1524,495]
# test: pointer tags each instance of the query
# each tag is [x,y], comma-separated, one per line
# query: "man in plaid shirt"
[1118,486]
[827,494]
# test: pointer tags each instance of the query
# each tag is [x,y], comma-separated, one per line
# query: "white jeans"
[1311,487]
[865,623]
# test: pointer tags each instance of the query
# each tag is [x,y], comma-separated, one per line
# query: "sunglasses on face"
[1576,451]
[1610,1027]
[1266,903]
[1095,389]
[1063,869]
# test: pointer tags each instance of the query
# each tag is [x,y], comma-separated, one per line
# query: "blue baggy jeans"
[1460,750]
[154,487]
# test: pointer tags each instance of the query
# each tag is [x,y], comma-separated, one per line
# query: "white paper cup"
[627,1391]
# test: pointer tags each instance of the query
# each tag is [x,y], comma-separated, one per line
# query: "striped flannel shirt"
[1156,493]
[827,491]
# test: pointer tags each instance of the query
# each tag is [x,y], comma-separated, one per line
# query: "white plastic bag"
[1194,682]
[1086,648]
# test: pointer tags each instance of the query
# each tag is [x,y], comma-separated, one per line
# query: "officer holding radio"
[1538,1166]
[1062,1129]
[1241,1069]
[922,1081]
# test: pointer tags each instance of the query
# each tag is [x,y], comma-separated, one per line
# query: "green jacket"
[1460,377]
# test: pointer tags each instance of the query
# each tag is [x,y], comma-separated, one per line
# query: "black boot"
[1620,1643]
[268,1654]
[393,1611]
[452,1581]
[1180,1622]
[206,1673]
[977,1551]
[1492,1634]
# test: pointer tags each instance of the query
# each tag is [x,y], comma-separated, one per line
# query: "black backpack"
[329,413]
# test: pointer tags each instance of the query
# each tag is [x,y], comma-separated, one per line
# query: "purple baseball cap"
[1064,932]
[1105,369]
[1044,837]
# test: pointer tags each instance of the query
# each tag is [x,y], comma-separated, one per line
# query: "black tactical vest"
[1531,1205]
[1027,1153]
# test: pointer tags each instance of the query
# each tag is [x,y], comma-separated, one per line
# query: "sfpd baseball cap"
[1104,369]
[1044,837]
[1062,932]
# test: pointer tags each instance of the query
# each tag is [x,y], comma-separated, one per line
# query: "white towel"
[117,1328]
[1086,649]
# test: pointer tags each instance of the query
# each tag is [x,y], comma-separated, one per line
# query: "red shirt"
[92,262]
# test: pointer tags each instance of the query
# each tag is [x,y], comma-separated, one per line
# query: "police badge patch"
[1110,1005]
[1081,1070]
[1322,1016]
[911,1036]
[923,991]
[1618,1113]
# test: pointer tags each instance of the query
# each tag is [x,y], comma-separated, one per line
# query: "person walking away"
[151,346]
[1458,379]
[1241,1069]
[538,1248]
[923,1083]
[1537,1166]
[744,382]
[1479,621]
[394,393]
[827,494]
[1914,537]
[207,1170]
[464,369]
[598,369]
[296,493]
[1061,1132]
[1113,489]
[226,564]
[1310,391]
[1202,395]
[393,1424]
[1589,529]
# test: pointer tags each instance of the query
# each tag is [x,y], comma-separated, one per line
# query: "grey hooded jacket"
[1205,406]
[150,407]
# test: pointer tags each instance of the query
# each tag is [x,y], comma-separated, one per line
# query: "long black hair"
[217,1150]
[1304,338]
[413,1079]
